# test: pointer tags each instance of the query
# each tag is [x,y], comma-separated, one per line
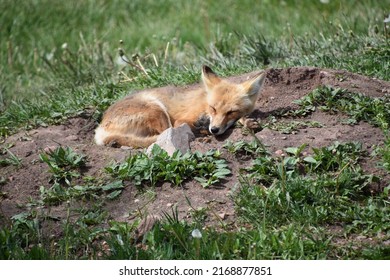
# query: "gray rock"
[173,139]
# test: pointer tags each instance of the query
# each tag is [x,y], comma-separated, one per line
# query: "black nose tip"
[214,130]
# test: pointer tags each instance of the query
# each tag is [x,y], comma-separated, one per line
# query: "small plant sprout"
[11,160]
[63,163]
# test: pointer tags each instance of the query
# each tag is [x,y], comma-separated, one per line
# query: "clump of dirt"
[282,87]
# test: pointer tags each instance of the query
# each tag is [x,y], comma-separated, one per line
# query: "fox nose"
[214,130]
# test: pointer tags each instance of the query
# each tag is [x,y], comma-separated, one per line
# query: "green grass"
[287,207]
[44,54]
[289,127]
[357,106]
[385,151]
[10,159]
[47,76]
[316,189]
[59,59]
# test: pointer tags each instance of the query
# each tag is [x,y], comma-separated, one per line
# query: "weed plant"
[63,163]
[159,167]
[11,159]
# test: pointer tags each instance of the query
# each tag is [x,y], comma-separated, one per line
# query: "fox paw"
[251,123]
[205,139]
[204,132]
[113,144]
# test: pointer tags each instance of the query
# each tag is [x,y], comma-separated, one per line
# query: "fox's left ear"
[210,79]
[253,86]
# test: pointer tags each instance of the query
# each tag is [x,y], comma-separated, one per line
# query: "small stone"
[24,138]
[222,215]
[323,74]
[72,138]
[125,147]
[174,139]
[50,149]
[29,153]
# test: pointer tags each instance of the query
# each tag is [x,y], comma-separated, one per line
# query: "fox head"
[228,102]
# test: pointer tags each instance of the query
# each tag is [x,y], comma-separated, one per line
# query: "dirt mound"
[282,87]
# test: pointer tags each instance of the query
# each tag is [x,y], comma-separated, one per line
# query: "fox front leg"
[250,123]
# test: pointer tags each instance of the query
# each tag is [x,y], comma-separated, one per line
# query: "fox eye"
[213,109]
[231,112]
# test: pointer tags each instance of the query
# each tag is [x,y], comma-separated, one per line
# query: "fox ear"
[253,86]
[210,79]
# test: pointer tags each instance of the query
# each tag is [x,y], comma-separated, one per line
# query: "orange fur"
[139,118]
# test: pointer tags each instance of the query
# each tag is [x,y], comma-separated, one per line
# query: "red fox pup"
[138,119]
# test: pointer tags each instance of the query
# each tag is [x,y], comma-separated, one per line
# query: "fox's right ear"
[210,79]
[253,87]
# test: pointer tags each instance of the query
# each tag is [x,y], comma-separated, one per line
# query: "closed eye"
[232,112]
[213,109]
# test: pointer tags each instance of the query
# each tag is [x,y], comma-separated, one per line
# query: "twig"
[138,67]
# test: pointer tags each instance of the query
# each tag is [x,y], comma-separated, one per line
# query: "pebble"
[279,153]
[72,138]
[125,148]
[49,149]
[29,153]
[222,215]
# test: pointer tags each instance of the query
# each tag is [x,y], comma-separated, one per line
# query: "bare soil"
[282,87]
